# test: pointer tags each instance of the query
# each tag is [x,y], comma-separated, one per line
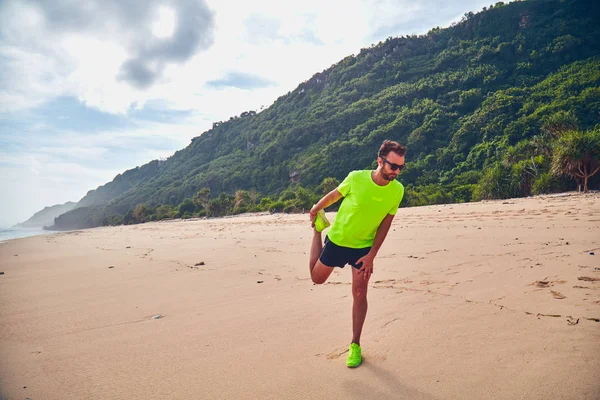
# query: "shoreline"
[267,213]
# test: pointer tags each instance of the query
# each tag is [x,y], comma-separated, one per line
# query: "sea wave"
[11,233]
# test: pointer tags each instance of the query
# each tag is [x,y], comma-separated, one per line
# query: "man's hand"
[367,266]
[325,202]
[367,261]
[313,214]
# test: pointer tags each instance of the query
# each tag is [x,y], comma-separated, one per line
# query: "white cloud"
[30,78]
[164,23]
[103,53]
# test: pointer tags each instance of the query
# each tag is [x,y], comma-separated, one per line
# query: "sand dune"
[490,300]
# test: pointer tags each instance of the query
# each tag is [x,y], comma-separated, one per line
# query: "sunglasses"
[394,167]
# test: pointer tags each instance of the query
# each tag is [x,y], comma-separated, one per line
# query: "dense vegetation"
[481,106]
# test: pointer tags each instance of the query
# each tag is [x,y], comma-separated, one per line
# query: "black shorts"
[338,256]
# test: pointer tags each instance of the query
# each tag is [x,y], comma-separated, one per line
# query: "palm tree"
[577,154]
[254,196]
[542,144]
[241,199]
[553,127]
[202,200]
[556,124]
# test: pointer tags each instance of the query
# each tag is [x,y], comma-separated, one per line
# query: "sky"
[91,88]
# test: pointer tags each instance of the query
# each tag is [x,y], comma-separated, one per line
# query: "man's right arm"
[325,202]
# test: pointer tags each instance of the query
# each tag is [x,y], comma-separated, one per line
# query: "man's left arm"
[367,261]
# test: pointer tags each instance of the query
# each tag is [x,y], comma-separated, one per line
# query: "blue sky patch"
[240,80]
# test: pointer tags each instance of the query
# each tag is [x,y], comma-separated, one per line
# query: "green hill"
[460,98]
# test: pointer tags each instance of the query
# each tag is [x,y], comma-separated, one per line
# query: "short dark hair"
[388,146]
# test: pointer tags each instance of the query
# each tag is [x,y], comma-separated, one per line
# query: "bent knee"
[320,273]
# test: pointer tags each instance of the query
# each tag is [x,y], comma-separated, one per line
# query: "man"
[371,199]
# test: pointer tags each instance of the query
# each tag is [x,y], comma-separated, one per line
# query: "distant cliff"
[46,216]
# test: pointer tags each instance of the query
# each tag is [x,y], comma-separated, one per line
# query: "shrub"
[545,183]
[276,206]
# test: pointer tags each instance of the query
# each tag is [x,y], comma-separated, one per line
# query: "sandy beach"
[489,300]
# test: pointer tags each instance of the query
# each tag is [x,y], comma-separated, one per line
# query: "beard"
[388,177]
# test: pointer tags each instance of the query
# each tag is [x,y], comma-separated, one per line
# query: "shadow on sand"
[381,384]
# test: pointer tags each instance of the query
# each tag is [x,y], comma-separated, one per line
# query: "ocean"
[12,233]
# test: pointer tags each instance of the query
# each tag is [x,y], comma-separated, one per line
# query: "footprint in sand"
[544,283]
[588,279]
[334,354]
[384,284]
[386,281]
[427,282]
[558,295]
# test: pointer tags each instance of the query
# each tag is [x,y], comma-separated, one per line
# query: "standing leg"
[359,312]
[359,306]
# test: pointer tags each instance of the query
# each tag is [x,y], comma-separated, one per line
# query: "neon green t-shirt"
[364,206]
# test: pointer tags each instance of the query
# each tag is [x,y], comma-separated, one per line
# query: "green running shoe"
[321,221]
[354,357]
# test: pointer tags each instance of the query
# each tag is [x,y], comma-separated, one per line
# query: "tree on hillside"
[220,206]
[553,127]
[186,208]
[202,198]
[328,185]
[140,213]
[254,196]
[542,145]
[241,201]
[165,211]
[558,123]
[577,154]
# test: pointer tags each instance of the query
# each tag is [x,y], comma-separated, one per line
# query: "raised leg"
[319,272]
